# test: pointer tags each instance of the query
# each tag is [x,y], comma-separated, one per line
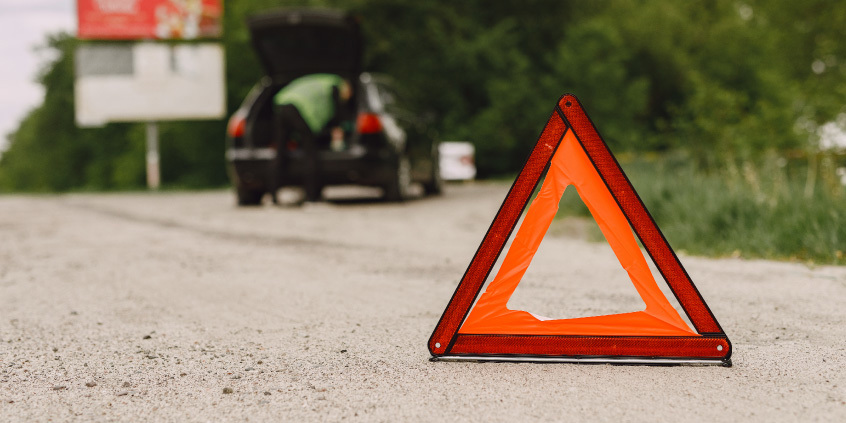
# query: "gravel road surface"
[182,307]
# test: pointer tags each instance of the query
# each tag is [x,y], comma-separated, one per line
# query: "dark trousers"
[290,122]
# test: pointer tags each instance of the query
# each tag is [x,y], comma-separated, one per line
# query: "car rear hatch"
[295,42]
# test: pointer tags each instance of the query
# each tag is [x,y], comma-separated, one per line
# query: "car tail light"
[236,125]
[368,123]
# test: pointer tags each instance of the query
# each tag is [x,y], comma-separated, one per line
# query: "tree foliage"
[719,79]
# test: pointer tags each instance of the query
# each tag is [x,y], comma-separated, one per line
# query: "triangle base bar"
[620,361]
[712,349]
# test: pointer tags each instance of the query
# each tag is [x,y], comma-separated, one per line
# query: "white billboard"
[148,82]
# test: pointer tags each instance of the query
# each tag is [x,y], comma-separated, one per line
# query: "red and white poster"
[149,19]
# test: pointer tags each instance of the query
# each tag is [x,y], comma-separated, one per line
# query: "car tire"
[249,197]
[399,187]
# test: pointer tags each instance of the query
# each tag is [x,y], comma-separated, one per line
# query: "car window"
[391,101]
[374,98]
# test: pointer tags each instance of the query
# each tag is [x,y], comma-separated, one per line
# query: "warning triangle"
[575,155]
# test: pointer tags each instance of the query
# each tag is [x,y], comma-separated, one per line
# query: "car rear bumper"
[261,167]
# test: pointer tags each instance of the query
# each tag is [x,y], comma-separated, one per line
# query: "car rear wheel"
[398,189]
[249,197]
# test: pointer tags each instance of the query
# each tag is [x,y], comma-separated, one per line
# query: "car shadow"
[347,196]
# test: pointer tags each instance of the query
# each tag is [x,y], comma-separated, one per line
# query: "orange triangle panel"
[481,327]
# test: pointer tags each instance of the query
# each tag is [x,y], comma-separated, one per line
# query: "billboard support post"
[153,174]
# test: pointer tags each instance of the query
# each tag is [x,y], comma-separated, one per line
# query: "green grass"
[762,210]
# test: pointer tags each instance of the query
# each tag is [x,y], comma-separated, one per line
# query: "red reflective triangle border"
[712,344]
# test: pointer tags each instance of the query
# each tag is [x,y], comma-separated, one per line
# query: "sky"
[24,25]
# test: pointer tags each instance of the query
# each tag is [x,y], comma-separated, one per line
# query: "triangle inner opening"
[559,286]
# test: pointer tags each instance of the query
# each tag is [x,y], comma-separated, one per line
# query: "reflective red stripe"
[580,346]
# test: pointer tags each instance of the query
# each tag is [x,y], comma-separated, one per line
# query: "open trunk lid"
[295,42]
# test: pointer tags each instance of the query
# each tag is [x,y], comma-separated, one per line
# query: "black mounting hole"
[568,103]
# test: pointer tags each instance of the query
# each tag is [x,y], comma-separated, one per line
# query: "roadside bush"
[764,209]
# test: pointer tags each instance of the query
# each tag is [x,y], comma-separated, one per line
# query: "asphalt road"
[182,307]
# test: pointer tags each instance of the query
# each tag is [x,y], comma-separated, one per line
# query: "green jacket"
[312,96]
